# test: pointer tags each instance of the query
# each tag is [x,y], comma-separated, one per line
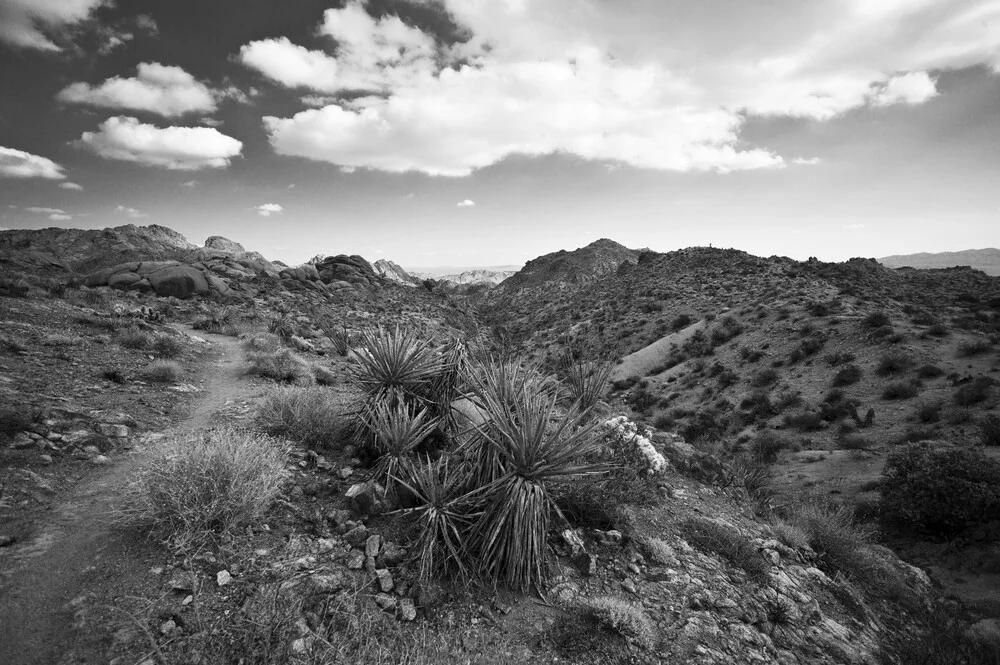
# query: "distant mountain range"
[466,275]
[987,260]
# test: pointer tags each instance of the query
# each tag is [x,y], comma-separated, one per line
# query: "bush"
[308,415]
[324,376]
[13,420]
[974,347]
[940,491]
[928,412]
[900,390]
[892,363]
[163,371]
[764,377]
[200,489]
[766,445]
[929,372]
[282,365]
[587,382]
[717,538]
[167,346]
[839,358]
[133,338]
[625,618]
[846,376]
[989,430]
[974,392]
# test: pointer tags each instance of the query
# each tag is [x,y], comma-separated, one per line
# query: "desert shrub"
[928,412]
[929,371]
[900,390]
[265,342]
[324,376]
[199,489]
[641,399]
[876,320]
[839,358]
[758,405]
[853,441]
[940,491]
[167,346]
[310,416]
[750,355]
[115,375]
[163,371]
[764,378]
[706,424]
[913,435]
[893,363]
[974,392]
[790,535]
[134,338]
[664,421]
[989,430]
[625,618]
[656,550]
[587,381]
[847,375]
[282,365]
[939,637]
[765,446]
[726,541]
[392,432]
[974,347]
[681,321]
[13,420]
[11,344]
[938,330]
[220,320]
[282,325]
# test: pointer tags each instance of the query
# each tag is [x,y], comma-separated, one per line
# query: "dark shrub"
[166,346]
[681,321]
[839,358]
[766,445]
[929,372]
[805,422]
[765,377]
[847,376]
[989,430]
[876,320]
[928,412]
[726,541]
[938,330]
[974,347]
[900,390]
[940,491]
[705,425]
[759,405]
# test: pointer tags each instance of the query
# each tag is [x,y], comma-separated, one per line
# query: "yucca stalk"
[395,367]
[443,519]
[537,447]
[394,433]
[587,381]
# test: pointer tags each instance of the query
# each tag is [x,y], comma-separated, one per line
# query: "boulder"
[101,277]
[224,245]
[123,280]
[178,281]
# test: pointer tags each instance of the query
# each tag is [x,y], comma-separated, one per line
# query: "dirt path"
[78,556]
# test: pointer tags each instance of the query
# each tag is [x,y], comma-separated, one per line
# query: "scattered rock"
[373,545]
[358,536]
[407,611]
[384,578]
[115,431]
[223,577]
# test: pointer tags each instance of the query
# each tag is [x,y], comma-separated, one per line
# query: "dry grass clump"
[134,338]
[587,382]
[847,375]
[900,390]
[893,363]
[167,346]
[163,371]
[626,619]
[790,535]
[726,541]
[282,365]
[657,550]
[308,415]
[324,376]
[202,488]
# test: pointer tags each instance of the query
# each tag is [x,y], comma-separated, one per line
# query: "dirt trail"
[76,551]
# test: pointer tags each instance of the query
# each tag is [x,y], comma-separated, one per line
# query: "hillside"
[987,260]
[710,531]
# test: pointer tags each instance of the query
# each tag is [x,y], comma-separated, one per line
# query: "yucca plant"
[443,519]
[396,367]
[536,447]
[587,381]
[394,431]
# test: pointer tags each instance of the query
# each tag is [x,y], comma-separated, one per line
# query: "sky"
[489,132]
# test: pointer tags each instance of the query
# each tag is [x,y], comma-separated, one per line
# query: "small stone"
[573,541]
[370,566]
[112,430]
[301,645]
[223,577]
[339,517]
[373,545]
[157,571]
[634,569]
[20,441]
[629,586]
[392,555]
[357,536]
[385,601]
[92,450]
[384,580]
[168,627]
[187,601]
[407,611]
[356,561]
[345,473]
[586,563]
[46,459]
[100,460]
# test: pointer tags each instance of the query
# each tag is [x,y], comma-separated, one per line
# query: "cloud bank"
[176,148]
[19,164]
[28,23]
[165,90]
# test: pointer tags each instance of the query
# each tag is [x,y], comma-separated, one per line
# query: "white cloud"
[268,209]
[45,211]
[19,164]
[190,183]
[72,186]
[348,169]
[59,217]
[178,148]
[131,212]
[30,23]
[806,161]
[467,203]
[637,83]
[162,89]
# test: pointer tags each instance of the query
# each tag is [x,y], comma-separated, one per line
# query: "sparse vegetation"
[900,390]
[163,371]
[308,415]
[893,363]
[847,376]
[282,365]
[717,538]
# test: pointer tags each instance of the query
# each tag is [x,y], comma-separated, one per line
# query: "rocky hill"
[392,271]
[987,260]
[491,276]
[564,268]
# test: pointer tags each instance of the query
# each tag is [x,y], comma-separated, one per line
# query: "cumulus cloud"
[30,23]
[165,90]
[60,217]
[19,164]
[177,148]
[467,203]
[268,209]
[806,161]
[45,211]
[630,83]
[132,213]
[71,186]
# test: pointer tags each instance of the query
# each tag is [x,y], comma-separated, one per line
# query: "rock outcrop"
[391,271]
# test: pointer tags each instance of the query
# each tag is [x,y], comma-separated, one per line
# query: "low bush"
[764,378]
[938,330]
[163,371]
[974,347]
[324,376]
[308,415]
[282,365]
[766,445]
[940,491]
[807,421]
[893,363]
[726,541]
[853,441]
[848,375]
[989,430]
[200,489]
[625,618]
[167,346]
[839,358]
[929,371]
[900,390]
[876,320]
[974,392]
[928,412]
[13,420]
[134,338]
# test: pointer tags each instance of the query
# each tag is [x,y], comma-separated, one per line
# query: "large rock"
[350,269]
[303,273]
[178,281]
[224,245]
